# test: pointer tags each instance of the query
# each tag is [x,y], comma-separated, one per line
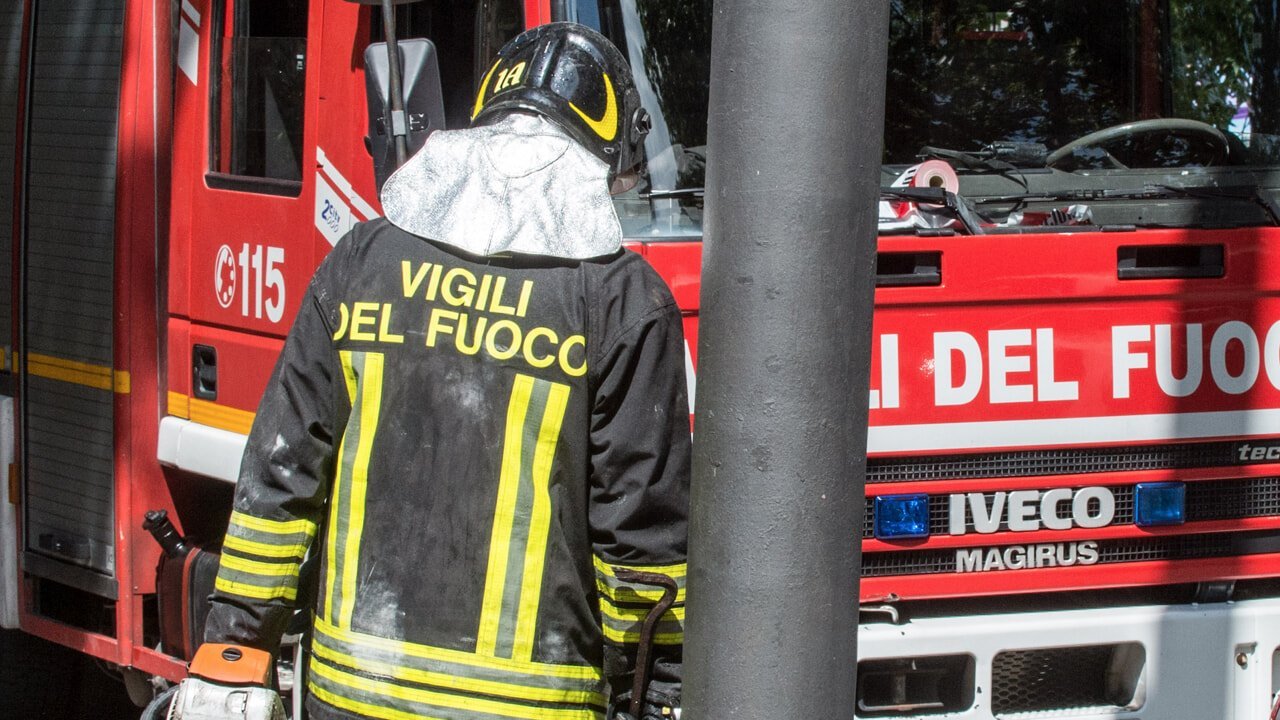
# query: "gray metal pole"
[796,116]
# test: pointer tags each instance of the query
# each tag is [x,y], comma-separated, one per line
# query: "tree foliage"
[965,73]
[1210,64]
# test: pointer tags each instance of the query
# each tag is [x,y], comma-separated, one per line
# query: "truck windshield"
[1058,114]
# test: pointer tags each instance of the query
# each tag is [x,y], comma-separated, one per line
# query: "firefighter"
[479,422]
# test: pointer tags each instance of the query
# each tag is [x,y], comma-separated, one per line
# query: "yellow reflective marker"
[607,126]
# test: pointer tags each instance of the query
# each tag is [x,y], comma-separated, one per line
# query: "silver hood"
[520,185]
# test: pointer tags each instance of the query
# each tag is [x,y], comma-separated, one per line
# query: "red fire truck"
[1073,492]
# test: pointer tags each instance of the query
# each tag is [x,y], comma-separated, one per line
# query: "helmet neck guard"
[520,185]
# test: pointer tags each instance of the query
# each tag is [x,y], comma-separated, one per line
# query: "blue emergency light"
[1159,503]
[900,517]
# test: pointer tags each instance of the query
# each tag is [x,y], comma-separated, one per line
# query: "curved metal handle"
[669,591]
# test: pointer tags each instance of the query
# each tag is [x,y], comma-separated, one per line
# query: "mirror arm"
[397,123]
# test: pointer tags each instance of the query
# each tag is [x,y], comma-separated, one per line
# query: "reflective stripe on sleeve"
[623,592]
[232,583]
[261,549]
[624,605]
[260,557]
[252,535]
[273,527]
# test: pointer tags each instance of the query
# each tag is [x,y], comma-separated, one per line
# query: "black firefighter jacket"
[473,446]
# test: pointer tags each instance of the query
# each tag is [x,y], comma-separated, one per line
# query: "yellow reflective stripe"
[331,536]
[617,627]
[370,405]
[634,594]
[218,416]
[584,673]
[369,709]
[263,549]
[676,572]
[179,405]
[504,517]
[607,126]
[616,590]
[257,592]
[484,85]
[257,567]
[444,700]
[540,524]
[487,687]
[274,527]
[373,711]
[349,375]
[335,499]
[632,614]
[634,637]
[101,377]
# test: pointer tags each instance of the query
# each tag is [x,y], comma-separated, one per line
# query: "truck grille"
[1101,677]
[1230,499]
[1211,500]
[1031,463]
[1222,500]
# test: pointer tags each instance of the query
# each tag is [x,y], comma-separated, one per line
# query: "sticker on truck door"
[224,277]
[257,271]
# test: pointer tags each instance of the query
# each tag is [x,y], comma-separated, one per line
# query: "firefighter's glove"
[655,707]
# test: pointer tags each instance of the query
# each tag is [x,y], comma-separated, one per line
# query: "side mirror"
[423,100]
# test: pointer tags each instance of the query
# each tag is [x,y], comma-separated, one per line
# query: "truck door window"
[466,35]
[257,98]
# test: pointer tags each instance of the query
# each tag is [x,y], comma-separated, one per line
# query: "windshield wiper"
[927,196]
[938,196]
[1247,193]
[1250,193]
[1001,157]
[692,192]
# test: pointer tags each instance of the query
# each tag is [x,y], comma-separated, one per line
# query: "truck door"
[11,31]
[67,273]
[241,248]
[11,34]
[270,169]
